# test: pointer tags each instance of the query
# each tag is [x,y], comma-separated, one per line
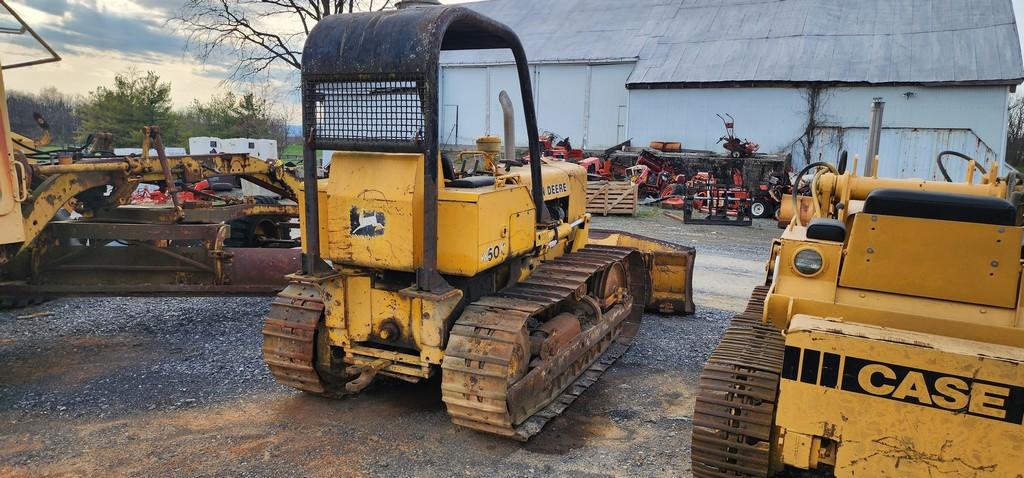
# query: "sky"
[100,38]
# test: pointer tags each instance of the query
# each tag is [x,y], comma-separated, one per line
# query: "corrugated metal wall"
[905,152]
[586,103]
[589,103]
[776,118]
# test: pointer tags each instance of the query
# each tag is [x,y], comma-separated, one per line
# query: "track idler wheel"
[614,285]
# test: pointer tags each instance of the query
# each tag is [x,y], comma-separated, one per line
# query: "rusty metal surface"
[655,251]
[554,335]
[263,266]
[142,269]
[481,386]
[213,214]
[86,181]
[153,132]
[289,338]
[133,232]
[733,418]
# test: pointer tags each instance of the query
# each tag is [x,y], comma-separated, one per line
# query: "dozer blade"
[489,382]
[669,265]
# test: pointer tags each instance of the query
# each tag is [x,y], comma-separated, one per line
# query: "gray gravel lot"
[177,387]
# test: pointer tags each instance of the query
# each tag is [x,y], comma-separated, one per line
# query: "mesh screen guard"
[388,114]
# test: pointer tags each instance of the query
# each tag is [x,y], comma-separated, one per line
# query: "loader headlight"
[808,262]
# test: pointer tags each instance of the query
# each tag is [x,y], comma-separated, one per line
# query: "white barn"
[606,70]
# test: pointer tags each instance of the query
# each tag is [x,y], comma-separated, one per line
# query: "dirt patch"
[195,442]
[564,436]
[70,361]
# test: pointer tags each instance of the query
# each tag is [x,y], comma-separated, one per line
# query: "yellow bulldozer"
[888,339]
[489,275]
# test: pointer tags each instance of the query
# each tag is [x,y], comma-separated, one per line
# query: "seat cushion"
[824,229]
[941,206]
[472,182]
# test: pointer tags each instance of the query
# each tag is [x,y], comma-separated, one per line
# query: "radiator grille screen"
[366,112]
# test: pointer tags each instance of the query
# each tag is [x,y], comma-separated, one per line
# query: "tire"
[761,209]
[246,231]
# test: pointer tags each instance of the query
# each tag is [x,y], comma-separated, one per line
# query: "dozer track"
[733,419]
[485,348]
[289,337]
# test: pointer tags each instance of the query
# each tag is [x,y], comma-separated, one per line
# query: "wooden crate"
[611,197]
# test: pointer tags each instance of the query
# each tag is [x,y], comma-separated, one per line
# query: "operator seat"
[941,206]
[470,182]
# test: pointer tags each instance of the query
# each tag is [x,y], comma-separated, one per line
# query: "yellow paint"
[374,209]
[11,230]
[896,254]
[671,271]
[357,312]
[483,227]
[905,424]
[926,317]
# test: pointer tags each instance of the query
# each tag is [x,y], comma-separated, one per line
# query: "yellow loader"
[487,273]
[888,339]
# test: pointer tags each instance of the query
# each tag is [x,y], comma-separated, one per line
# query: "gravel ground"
[177,387]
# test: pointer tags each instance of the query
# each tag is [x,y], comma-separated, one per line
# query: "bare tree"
[1015,134]
[258,35]
[816,98]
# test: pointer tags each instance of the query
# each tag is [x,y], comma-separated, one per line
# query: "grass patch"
[648,211]
[292,150]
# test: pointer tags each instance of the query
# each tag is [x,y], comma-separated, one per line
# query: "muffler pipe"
[508,113]
[874,135]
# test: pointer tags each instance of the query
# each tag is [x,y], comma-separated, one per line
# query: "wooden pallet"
[611,197]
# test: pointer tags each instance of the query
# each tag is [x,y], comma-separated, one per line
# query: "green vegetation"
[131,103]
[137,99]
[292,150]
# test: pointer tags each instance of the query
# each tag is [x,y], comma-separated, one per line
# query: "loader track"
[485,348]
[734,416]
[289,340]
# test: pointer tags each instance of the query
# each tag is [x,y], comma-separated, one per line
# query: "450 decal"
[493,253]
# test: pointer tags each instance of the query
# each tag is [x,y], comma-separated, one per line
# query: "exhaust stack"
[874,135]
[508,114]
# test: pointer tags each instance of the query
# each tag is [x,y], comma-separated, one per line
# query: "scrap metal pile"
[721,188]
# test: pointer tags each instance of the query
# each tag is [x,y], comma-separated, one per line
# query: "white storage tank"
[238,146]
[152,152]
[204,145]
[266,149]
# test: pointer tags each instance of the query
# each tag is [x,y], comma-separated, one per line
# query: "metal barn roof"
[707,42]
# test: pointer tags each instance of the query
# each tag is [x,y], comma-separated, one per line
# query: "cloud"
[89,26]
[53,7]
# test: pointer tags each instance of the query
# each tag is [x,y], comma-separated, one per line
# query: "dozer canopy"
[370,83]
